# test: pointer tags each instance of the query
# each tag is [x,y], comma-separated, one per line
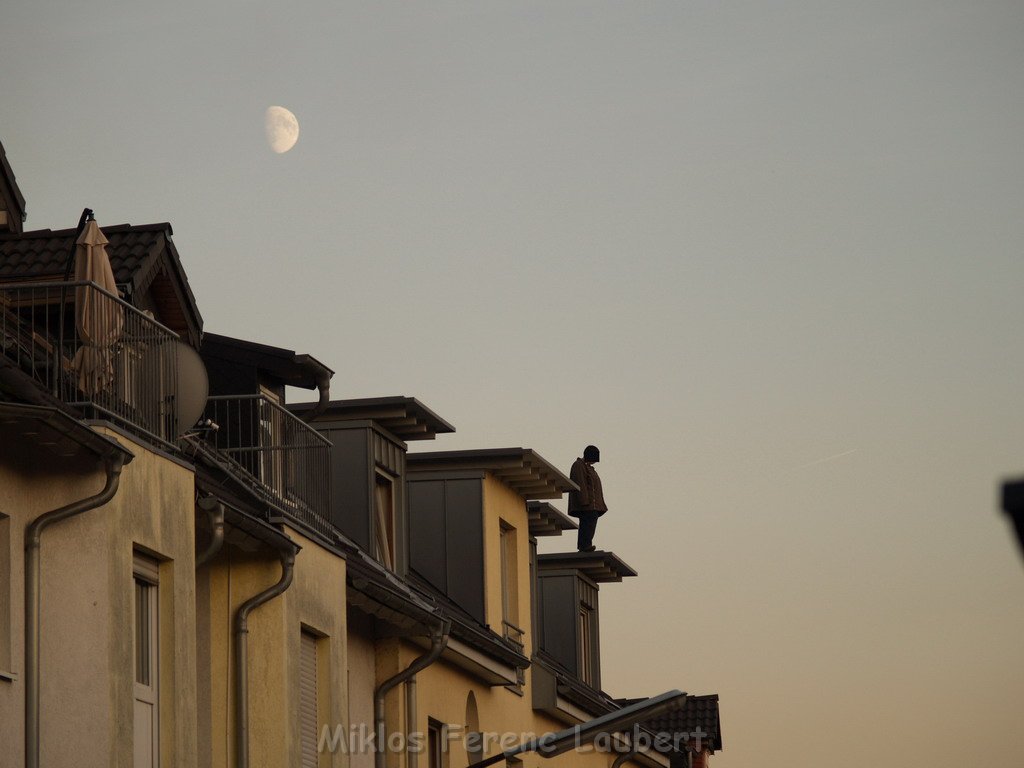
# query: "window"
[436,748]
[474,738]
[147,664]
[384,520]
[586,665]
[309,698]
[5,596]
[509,584]
[271,447]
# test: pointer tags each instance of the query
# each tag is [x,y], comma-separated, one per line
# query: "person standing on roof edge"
[588,502]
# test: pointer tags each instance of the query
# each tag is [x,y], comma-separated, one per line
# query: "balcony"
[287,460]
[123,368]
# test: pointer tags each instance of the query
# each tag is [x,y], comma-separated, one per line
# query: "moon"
[282,129]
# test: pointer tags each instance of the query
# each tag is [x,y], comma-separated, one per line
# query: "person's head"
[591,454]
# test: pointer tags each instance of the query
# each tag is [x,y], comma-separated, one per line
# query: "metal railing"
[513,634]
[288,460]
[93,351]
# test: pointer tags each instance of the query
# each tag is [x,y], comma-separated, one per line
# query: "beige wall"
[316,601]
[362,679]
[87,618]
[503,504]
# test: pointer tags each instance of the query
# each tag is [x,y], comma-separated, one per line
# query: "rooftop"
[598,566]
[545,520]
[11,199]
[698,712]
[142,257]
[523,470]
[404,417]
[293,369]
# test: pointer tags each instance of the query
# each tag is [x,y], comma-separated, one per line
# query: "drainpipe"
[242,652]
[33,534]
[438,641]
[634,747]
[323,385]
[215,511]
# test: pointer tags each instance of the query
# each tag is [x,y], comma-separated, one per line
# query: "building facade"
[194,572]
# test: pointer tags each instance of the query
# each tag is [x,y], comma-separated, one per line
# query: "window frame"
[146,591]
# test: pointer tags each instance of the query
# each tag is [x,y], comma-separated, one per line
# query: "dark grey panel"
[558,610]
[351,488]
[534,599]
[427,532]
[465,544]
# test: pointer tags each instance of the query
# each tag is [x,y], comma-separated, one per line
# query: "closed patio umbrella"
[99,319]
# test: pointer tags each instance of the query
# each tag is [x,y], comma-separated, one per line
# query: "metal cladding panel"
[464,544]
[388,455]
[559,610]
[350,511]
[426,531]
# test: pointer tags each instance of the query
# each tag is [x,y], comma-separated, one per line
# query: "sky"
[765,255]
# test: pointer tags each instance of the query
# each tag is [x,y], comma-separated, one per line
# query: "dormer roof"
[143,258]
[597,566]
[405,417]
[289,367]
[523,470]
[545,520]
[12,202]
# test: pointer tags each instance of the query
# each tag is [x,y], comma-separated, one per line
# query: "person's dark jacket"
[590,497]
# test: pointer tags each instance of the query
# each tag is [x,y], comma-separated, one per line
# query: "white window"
[147,663]
[384,520]
[309,698]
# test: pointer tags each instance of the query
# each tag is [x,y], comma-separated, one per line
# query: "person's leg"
[585,537]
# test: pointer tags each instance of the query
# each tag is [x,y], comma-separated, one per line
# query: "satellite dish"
[193,387]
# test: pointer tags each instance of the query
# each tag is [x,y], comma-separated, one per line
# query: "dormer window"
[587,635]
[384,519]
[367,468]
[509,584]
[567,593]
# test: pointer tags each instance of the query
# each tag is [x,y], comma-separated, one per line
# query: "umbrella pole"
[86,216]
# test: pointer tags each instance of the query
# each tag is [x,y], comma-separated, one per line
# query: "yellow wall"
[503,504]
[443,689]
[315,600]
[87,629]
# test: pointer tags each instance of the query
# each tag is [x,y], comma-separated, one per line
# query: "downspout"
[634,747]
[214,509]
[438,642]
[33,534]
[242,652]
[323,385]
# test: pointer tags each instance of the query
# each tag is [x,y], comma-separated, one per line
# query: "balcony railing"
[513,634]
[95,352]
[288,460]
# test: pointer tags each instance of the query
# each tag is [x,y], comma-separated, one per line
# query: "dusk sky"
[766,255]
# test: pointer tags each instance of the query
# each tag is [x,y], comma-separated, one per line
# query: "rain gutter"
[323,385]
[287,554]
[438,641]
[214,509]
[634,747]
[553,744]
[113,464]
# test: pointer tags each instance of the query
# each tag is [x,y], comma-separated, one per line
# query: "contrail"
[827,458]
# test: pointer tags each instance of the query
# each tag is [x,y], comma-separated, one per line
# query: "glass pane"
[142,629]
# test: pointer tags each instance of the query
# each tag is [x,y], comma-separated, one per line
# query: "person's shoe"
[591,548]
